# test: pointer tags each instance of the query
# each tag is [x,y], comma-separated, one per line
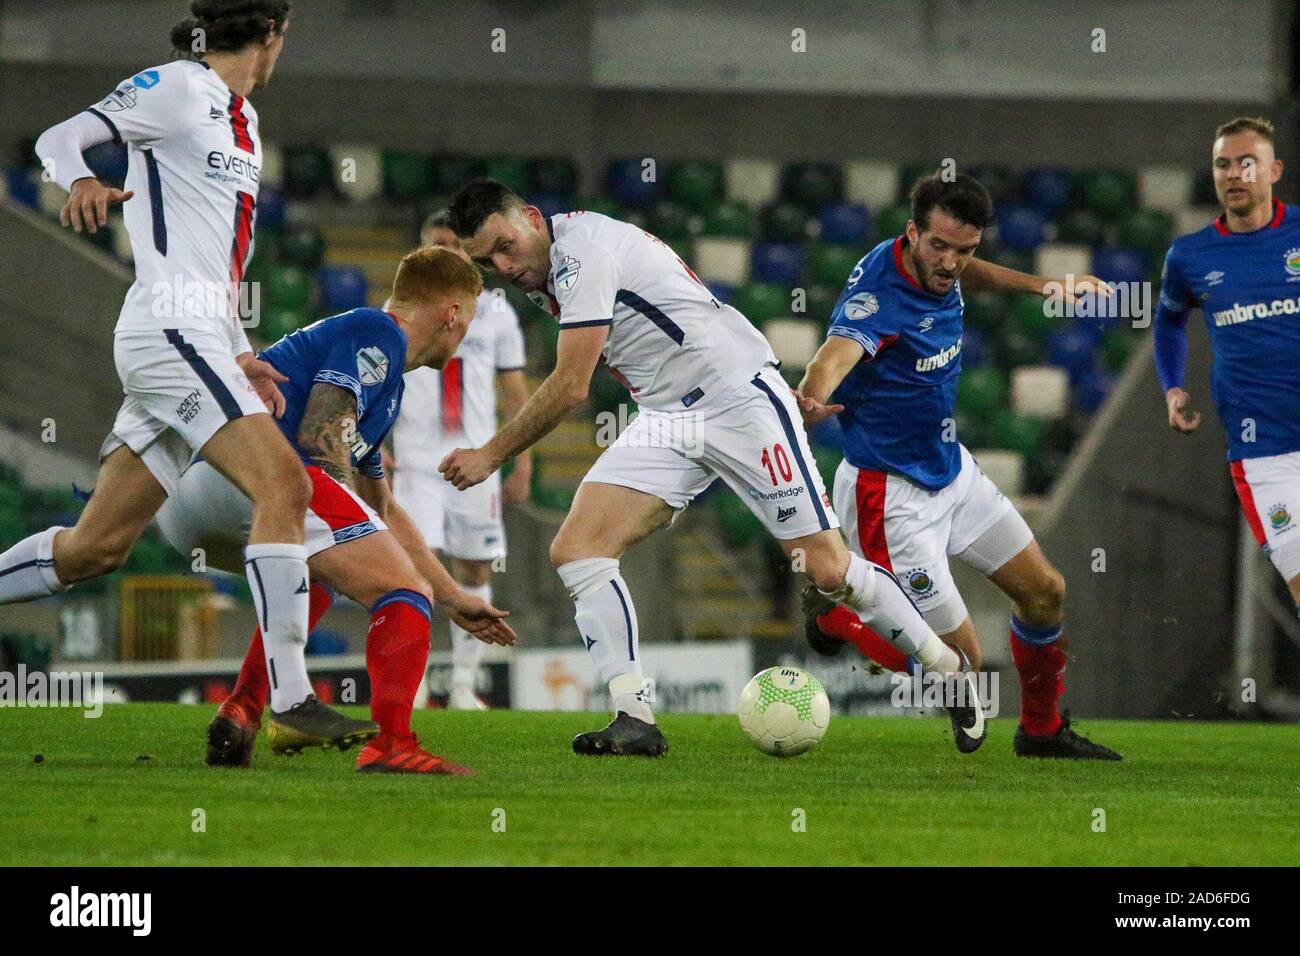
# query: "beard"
[929,278]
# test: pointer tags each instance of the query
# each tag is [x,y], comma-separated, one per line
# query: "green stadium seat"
[302,246]
[553,176]
[1022,260]
[737,523]
[811,185]
[1116,347]
[509,170]
[407,175]
[448,173]
[760,302]
[278,321]
[607,393]
[1014,347]
[1108,193]
[1030,316]
[308,171]
[979,391]
[973,429]
[602,205]
[893,221]
[1081,227]
[668,220]
[695,184]
[986,311]
[1147,230]
[828,462]
[1018,433]
[729,219]
[783,222]
[831,265]
[998,180]
[287,286]
[908,176]
[820,303]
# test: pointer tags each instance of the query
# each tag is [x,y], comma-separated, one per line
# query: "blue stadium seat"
[845,223]
[722,291]
[777,262]
[628,186]
[1071,348]
[550,205]
[270,208]
[974,349]
[342,288]
[1119,265]
[1021,227]
[1091,388]
[22,185]
[1048,189]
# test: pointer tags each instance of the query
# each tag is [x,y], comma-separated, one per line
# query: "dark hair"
[439,219]
[228,25]
[962,197]
[475,201]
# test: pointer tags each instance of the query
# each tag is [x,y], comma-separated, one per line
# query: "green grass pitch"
[875,791]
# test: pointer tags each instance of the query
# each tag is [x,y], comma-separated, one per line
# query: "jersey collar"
[1279,213]
[902,269]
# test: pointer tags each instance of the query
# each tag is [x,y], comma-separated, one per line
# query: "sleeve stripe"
[867,343]
[112,127]
[511,368]
[583,325]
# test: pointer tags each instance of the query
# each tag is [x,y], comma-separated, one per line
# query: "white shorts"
[1269,491]
[756,444]
[207,510]
[911,532]
[181,386]
[461,524]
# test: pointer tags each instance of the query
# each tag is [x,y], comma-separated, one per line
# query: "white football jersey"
[673,344]
[457,406]
[194,164]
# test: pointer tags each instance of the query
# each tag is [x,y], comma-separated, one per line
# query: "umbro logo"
[783,514]
[1214,278]
[926,324]
[214,113]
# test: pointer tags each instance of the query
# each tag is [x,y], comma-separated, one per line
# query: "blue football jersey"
[362,351]
[1248,285]
[898,401]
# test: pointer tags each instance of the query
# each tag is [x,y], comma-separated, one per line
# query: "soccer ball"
[784,710]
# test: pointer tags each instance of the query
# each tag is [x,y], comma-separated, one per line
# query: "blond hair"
[1247,124]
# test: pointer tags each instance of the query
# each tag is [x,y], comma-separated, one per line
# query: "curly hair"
[228,25]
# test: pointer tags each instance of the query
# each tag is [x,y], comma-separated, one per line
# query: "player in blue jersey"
[908,492]
[1243,272]
[343,393]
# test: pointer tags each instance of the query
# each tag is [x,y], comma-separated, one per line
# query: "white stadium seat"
[753,181]
[1006,469]
[795,341]
[871,182]
[272,165]
[363,178]
[722,260]
[1057,259]
[1193,218]
[1040,391]
[1167,188]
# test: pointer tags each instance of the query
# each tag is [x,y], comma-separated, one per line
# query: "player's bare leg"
[1038,648]
[126,498]
[604,521]
[841,577]
[252,453]
[466,650]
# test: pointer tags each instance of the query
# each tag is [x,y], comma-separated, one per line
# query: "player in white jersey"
[712,405]
[191,380]
[443,409]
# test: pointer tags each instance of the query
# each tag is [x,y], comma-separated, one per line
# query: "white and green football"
[784,710]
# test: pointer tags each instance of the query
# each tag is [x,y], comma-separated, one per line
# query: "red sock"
[1042,681]
[843,623]
[397,651]
[253,688]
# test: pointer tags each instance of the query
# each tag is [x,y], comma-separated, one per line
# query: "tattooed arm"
[327,430]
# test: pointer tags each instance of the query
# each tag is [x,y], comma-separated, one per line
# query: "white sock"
[277,575]
[27,569]
[467,650]
[882,603]
[606,622]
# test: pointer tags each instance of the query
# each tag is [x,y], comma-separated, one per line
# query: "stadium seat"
[1119,265]
[1048,189]
[21,185]
[729,219]
[1019,433]
[752,181]
[974,349]
[270,211]
[1030,314]
[628,182]
[1071,347]
[1116,347]
[601,204]
[302,246]
[1194,218]
[827,439]
[736,522]
[1015,347]
[819,303]
[1148,230]
[872,183]
[812,185]
[1058,260]
[783,222]
[1167,188]
[979,391]
[845,224]
[448,172]
[668,220]
[341,288]
[778,262]
[287,286]
[1081,228]
[1006,469]
[1091,388]
[272,173]
[892,221]
[695,184]
[1040,391]
[308,172]
[830,265]
[1022,260]
[998,180]
[986,311]
[548,205]
[794,341]
[1021,227]
[276,321]
[1203,193]
[512,171]
[359,172]
[722,260]
[908,176]
[553,176]
[1109,193]
[760,302]
[722,291]
[407,175]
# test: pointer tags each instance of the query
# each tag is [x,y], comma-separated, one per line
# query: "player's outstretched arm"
[833,361]
[982,276]
[563,391]
[475,615]
[328,429]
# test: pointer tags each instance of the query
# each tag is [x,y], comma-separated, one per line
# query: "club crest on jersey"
[146,80]
[372,365]
[1279,517]
[566,273]
[122,98]
[861,306]
[920,582]
[1293,262]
